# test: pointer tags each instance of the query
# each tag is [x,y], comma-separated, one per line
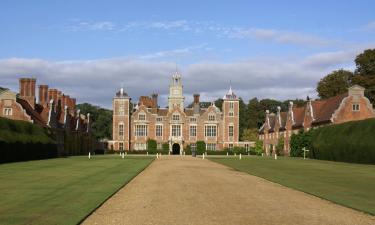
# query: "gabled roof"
[298,115]
[324,109]
[31,112]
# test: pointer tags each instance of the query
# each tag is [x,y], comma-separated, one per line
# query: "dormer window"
[176,117]
[355,107]
[142,116]
[211,117]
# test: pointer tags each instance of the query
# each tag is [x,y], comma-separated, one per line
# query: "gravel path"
[185,190]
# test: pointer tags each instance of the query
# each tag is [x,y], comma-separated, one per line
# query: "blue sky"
[277,49]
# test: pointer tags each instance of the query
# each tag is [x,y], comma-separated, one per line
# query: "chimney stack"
[196,98]
[43,94]
[27,90]
[155,100]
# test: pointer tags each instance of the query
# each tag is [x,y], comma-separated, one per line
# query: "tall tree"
[101,120]
[365,73]
[335,83]
[254,114]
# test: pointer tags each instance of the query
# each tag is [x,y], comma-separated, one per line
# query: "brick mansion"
[174,125]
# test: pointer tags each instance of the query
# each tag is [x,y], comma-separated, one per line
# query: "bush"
[258,148]
[280,146]
[239,150]
[187,150]
[201,147]
[165,147]
[217,152]
[348,142]
[152,145]
[300,141]
[22,141]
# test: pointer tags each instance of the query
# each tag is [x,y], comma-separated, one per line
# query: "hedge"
[348,142]
[22,141]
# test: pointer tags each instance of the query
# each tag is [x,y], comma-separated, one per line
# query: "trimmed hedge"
[348,142]
[22,141]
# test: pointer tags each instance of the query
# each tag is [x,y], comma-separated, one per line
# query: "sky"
[264,49]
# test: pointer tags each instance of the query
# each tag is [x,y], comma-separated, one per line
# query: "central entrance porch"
[176,149]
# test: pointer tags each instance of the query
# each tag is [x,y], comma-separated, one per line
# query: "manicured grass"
[351,185]
[64,190]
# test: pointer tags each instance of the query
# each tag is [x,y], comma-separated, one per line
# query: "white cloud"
[369,27]
[286,37]
[279,36]
[96,81]
[92,26]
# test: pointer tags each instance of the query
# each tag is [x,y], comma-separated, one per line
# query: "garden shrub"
[348,142]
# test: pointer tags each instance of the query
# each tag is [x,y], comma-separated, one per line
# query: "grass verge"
[348,184]
[64,190]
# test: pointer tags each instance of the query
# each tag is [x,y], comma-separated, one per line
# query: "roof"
[324,109]
[298,116]
[121,93]
[230,95]
[31,112]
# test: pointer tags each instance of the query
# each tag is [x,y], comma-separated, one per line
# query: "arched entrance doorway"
[175,149]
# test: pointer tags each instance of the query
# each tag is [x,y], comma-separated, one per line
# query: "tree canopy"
[335,83]
[101,120]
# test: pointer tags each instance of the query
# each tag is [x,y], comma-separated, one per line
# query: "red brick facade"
[350,106]
[176,125]
[53,110]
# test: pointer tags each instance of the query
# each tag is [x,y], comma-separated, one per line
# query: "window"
[140,146]
[210,131]
[247,147]
[230,131]
[121,146]
[211,117]
[121,111]
[193,120]
[193,146]
[159,119]
[355,107]
[176,130]
[159,130]
[8,112]
[193,131]
[211,146]
[231,113]
[175,117]
[142,116]
[231,105]
[141,130]
[230,146]
[121,130]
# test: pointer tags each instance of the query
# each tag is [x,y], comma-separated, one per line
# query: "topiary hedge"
[348,142]
[21,141]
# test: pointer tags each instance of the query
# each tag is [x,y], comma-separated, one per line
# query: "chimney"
[196,98]
[43,94]
[73,103]
[196,106]
[155,100]
[27,90]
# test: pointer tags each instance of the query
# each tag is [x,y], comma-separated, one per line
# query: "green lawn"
[64,190]
[351,185]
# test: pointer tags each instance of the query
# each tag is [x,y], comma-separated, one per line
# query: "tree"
[365,73]
[250,134]
[258,149]
[254,113]
[2,89]
[335,83]
[101,120]
[365,63]
[280,146]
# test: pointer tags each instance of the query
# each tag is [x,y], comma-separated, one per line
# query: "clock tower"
[176,97]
